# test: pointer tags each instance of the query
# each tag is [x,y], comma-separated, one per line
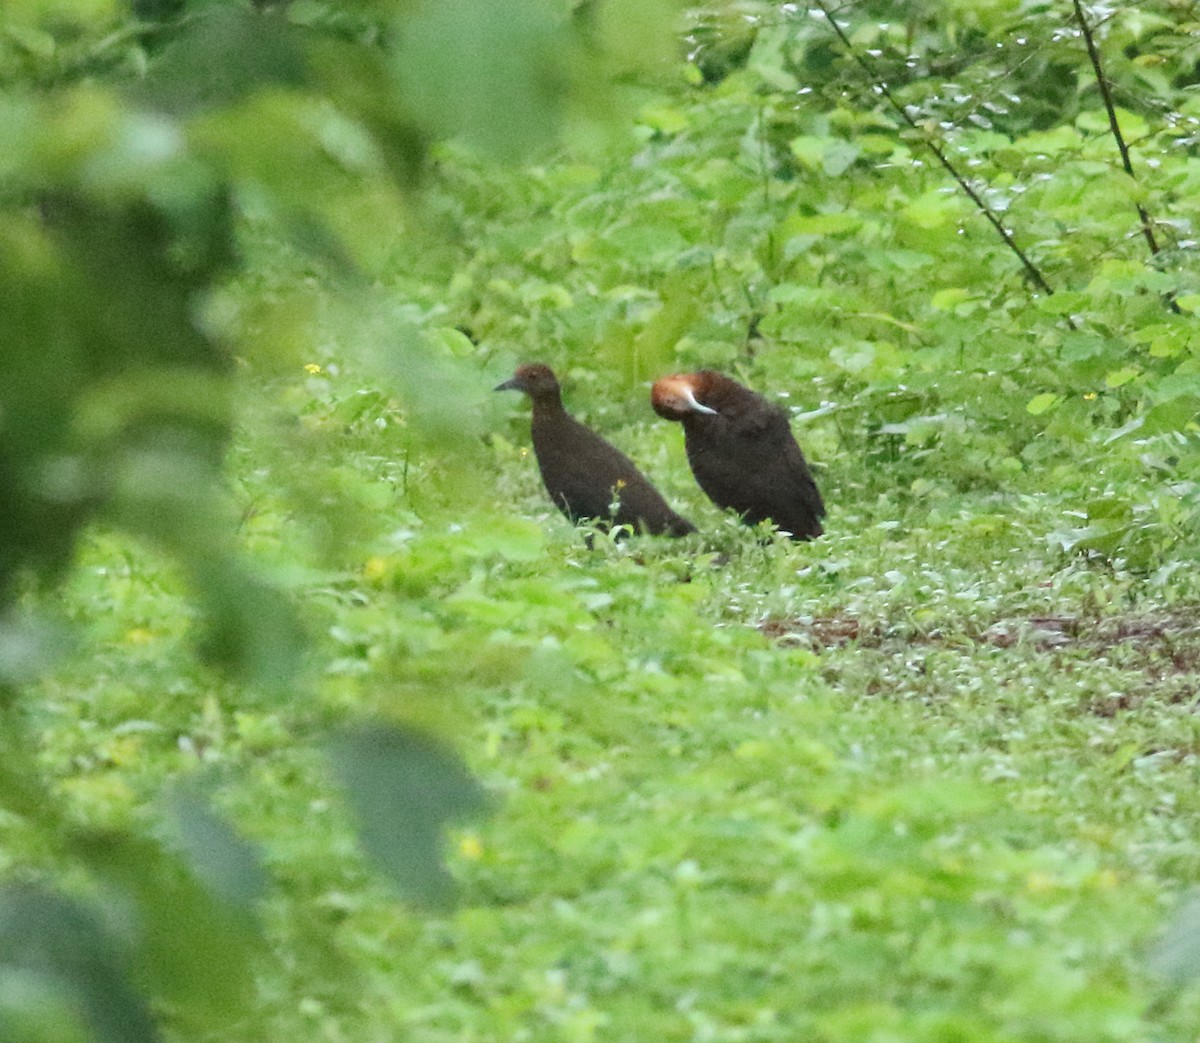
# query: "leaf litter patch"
[1165,643]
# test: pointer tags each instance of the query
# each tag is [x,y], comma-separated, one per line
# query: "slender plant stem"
[1031,269]
[1110,108]
[1115,126]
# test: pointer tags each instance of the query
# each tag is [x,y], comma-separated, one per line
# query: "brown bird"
[742,451]
[584,475]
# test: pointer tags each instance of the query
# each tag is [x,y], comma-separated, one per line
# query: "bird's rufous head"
[675,397]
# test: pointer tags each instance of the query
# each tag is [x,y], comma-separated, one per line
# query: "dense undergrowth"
[931,777]
[970,821]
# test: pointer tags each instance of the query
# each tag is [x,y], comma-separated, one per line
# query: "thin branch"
[1115,126]
[1094,55]
[1031,269]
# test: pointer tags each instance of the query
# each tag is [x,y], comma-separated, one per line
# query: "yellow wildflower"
[470,847]
[375,568]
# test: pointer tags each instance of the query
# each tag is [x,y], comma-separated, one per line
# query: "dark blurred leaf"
[442,395]
[192,950]
[55,952]
[221,56]
[43,365]
[28,645]
[403,788]
[228,865]
[249,628]
[1176,954]
[158,9]
[490,70]
[364,83]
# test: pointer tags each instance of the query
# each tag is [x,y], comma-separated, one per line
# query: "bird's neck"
[702,421]
[547,407]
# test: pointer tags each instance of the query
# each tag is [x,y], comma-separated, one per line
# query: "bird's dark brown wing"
[585,475]
[748,460]
[797,506]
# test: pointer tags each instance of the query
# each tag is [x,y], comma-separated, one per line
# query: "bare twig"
[1106,94]
[1031,269]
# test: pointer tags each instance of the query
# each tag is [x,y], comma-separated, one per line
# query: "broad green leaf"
[809,149]
[1119,377]
[493,71]
[1133,126]
[822,224]
[1176,384]
[1040,403]
[1049,142]
[637,37]
[665,119]
[933,210]
[190,950]
[831,156]
[58,953]
[949,298]
[229,866]
[451,341]
[34,41]
[224,57]
[1175,954]
[247,626]
[1179,413]
[28,645]
[404,789]
[1062,303]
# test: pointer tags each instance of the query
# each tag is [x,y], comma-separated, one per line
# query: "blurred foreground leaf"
[404,787]
[222,858]
[250,628]
[193,951]
[63,975]
[491,71]
[1175,956]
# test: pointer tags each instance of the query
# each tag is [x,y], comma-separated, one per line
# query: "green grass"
[713,817]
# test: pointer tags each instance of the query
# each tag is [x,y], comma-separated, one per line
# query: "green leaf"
[1175,414]
[1119,377]
[28,645]
[932,210]
[1040,403]
[1049,142]
[492,71]
[949,298]
[191,950]
[822,224]
[31,40]
[224,861]
[1175,955]
[831,156]
[666,119]
[1062,303]
[404,787]
[55,952]
[808,149]
[1176,384]
[222,57]
[248,627]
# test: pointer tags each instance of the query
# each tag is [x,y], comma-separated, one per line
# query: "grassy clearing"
[927,778]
